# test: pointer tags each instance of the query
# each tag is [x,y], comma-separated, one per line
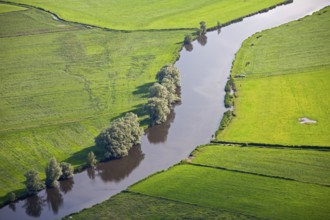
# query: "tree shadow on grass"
[143,90]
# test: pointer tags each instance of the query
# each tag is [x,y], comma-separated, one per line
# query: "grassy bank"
[233,190]
[287,75]
[146,14]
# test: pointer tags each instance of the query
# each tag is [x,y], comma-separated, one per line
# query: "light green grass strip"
[155,14]
[136,206]
[287,78]
[9,8]
[248,194]
[303,165]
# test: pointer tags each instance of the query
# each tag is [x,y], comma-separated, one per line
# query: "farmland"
[286,79]
[61,82]
[148,15]
[308,166]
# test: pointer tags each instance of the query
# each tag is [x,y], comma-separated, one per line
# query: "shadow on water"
[66,185]
[188,47]
[54,199]
[117,170]
[202,40]
[33,206]
[158,133]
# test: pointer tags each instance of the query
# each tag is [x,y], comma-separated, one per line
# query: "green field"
[155,14]
[308,166]
[130,205]
[9,8]
[286,79]
[287,72]
[254,195]
[61,84]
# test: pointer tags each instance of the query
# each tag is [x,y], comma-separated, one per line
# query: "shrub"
[91,159]
[67,170]
[53,173]
[33,183]
[122,134]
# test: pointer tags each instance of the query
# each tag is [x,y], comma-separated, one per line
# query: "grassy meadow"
[9,8]
[309,166]
[130,205]
[287,72]
[61,84]
[155,14]
[254,195]
[287,76]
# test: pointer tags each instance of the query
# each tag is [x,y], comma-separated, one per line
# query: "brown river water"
[204,72]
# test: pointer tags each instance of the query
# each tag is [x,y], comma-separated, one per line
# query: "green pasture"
[129,205]
[287,77]
[9,8]
[254,195]
[308,166]
[61,84]
[154,14]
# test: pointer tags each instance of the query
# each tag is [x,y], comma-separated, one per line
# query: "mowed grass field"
[154,14]
[254,195]
[309,166]
[9,8]
[287,77]
[62,83]
[130,205]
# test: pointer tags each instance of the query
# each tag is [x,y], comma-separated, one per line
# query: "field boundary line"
[253,173]
[252,144]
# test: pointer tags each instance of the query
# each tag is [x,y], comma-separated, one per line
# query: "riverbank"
[256,182]
[70,82]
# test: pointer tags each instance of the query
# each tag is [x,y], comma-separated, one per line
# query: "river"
[204,72]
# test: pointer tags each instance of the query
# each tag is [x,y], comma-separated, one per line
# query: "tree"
[171,73]
[12,197]
[188,39]
[203,27]
[53,173]
[91,159]
[67,170]
[33,183]
[159,91]
[122,134]
[158,110]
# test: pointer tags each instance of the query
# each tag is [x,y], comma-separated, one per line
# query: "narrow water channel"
[204,72]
